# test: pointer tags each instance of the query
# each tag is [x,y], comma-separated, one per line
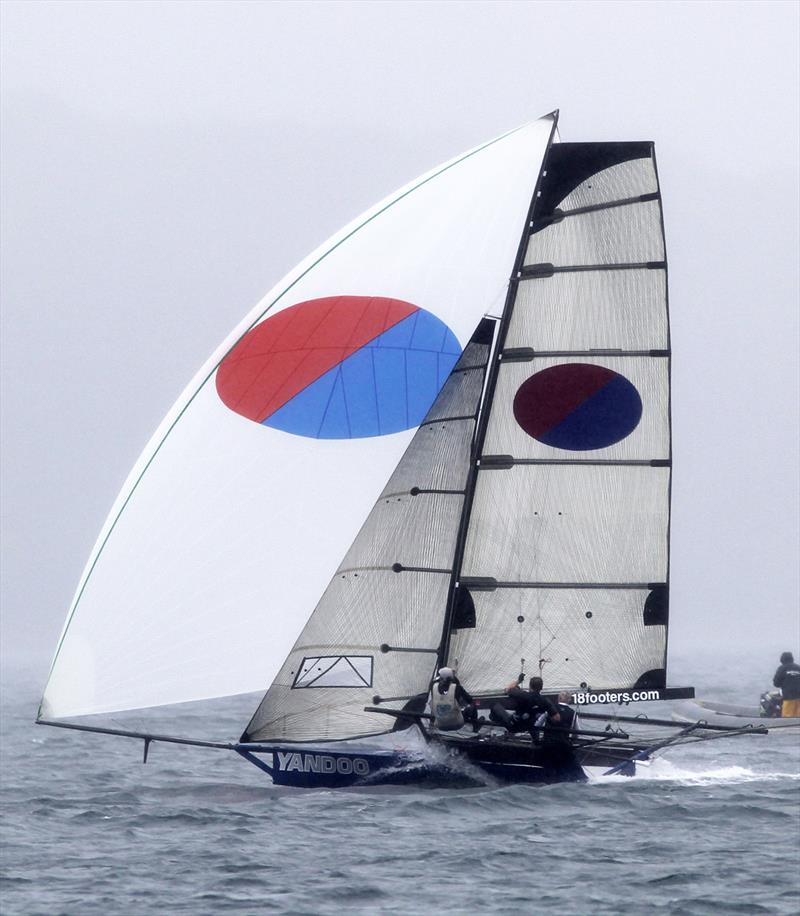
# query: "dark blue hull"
[313,768]
[469,764]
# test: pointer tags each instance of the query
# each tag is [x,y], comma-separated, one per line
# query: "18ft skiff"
[470,386]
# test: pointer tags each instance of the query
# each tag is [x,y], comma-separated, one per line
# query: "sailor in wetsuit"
[569,718]
[450,703]
[787,677]
[529,708]
[553,747]
[558,752]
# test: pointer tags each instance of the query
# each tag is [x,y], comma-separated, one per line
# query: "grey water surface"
[712,828]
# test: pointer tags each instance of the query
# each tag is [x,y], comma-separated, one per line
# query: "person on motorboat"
[530,709]
[451,705]
[787,678]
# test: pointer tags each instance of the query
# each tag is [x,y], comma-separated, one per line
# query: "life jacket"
[568,716]
[447,715]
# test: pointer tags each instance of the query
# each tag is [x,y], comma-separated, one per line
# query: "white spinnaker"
[226,532]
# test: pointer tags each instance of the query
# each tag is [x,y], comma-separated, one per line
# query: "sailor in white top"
[447,699]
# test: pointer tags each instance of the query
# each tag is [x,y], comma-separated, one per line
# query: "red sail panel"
[302,343]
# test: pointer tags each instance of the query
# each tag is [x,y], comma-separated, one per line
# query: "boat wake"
[434,767]
[662,770]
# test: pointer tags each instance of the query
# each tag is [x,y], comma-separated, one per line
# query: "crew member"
[562,727]
[787,677]
[450,703]
[569,718]
[557,751]
[529,708]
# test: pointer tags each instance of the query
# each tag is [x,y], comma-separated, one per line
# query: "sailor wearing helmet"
[449,701]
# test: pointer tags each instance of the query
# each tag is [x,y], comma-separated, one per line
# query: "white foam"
[662,770]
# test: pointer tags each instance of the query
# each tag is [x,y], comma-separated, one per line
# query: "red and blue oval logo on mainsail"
[578,406]
[342,367]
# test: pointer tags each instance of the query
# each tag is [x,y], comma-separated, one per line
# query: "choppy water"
[713,828]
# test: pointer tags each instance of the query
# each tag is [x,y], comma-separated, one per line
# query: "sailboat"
[469,385]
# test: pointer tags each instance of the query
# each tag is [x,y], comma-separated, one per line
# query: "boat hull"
[449,760]
[325,768]
[732,716]
[556,762]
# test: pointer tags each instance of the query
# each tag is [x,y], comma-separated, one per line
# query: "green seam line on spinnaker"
[216,366]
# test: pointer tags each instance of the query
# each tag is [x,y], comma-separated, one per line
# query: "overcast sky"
[164,164]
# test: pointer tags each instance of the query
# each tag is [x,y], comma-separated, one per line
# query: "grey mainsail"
[566,549]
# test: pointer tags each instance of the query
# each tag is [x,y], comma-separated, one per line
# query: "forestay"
[566,548]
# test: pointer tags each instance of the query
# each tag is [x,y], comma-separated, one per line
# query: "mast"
[483,414]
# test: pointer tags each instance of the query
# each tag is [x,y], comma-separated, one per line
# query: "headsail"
[202,577]
[565,554]
[376,630]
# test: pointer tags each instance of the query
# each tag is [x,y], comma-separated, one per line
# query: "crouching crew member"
[529,707]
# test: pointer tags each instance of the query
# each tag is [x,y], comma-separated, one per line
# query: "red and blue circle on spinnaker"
[578,406]
[340,367]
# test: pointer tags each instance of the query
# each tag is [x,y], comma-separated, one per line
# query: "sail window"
[464,611]
[334,671]
[656,608]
